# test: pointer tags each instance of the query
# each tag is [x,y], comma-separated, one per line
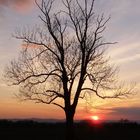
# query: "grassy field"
[30,130]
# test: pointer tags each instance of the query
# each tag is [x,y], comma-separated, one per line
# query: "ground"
[84,130]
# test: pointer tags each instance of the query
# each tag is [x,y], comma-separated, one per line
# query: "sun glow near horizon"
[95,118]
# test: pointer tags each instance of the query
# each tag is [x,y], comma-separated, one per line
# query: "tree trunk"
[69,125]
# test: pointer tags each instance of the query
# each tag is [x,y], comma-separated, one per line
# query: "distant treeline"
[84,130]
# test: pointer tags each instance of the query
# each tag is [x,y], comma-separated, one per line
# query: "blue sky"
[124,28]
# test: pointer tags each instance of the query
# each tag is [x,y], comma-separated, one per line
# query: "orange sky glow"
[123,28]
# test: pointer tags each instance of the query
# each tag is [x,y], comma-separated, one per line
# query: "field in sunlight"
[56,131]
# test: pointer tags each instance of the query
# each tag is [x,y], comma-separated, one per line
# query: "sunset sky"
[124,28]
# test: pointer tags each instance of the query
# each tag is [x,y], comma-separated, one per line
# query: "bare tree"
[64,58]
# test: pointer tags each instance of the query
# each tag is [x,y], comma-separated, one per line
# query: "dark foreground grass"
[31,130]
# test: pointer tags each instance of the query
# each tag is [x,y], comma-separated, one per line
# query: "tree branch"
[59,105]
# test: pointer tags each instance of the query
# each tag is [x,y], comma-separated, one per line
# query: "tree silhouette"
[64,59]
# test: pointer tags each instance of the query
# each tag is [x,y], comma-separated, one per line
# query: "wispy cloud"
[125,112]
[132,113]
[19,5]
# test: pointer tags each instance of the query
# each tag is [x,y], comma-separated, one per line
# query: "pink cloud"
[19,5]
[3,2]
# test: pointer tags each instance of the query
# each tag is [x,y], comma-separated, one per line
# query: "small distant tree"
[64,59]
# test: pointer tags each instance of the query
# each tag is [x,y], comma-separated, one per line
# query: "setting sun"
[95,118]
